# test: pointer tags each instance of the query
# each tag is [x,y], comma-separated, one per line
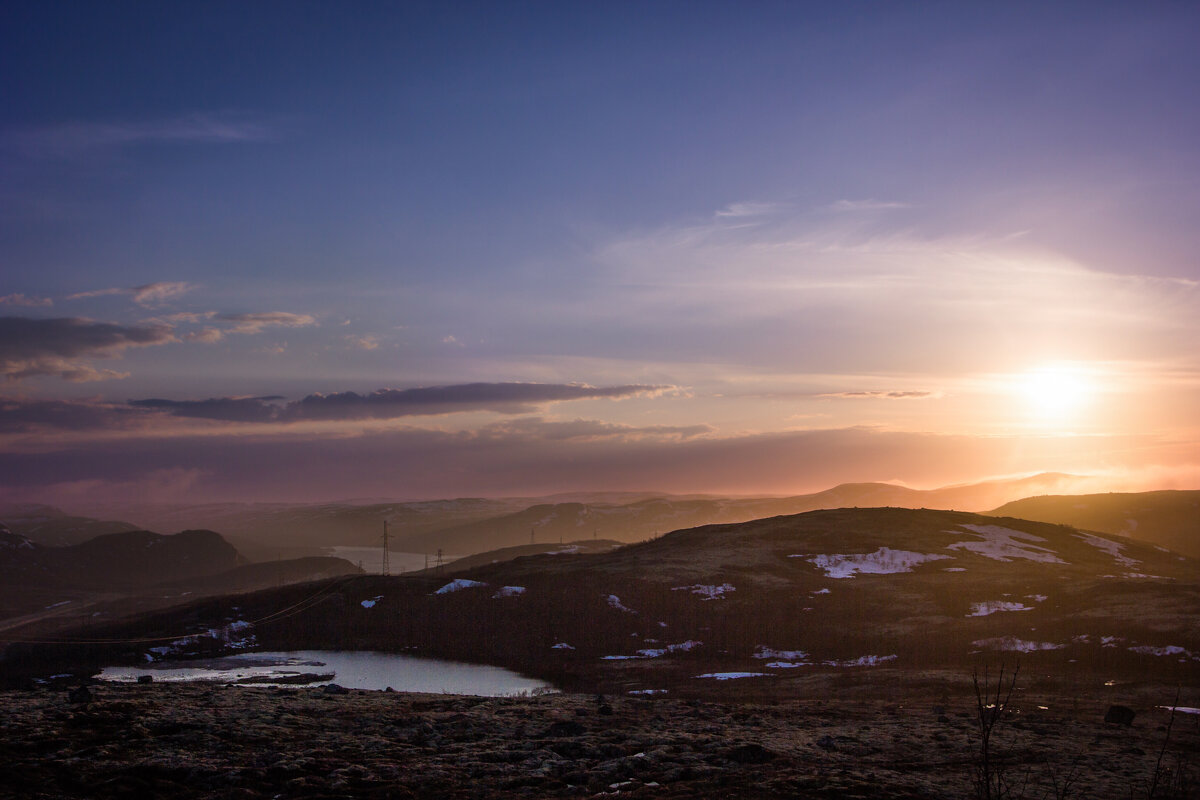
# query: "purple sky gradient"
[692,247]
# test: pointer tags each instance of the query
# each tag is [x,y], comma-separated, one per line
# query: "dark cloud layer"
[506,398]
[25,416]
[228,409]
[60,346]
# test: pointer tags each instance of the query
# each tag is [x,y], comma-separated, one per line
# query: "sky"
[304,251]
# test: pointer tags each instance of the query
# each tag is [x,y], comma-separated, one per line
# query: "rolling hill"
[53,527]
[773,600]
[1167,518]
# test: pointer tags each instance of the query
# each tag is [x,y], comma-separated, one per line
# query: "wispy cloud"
[260,321]
[367,342]
[884,395]
[147,295]
[738,210]
[866,205]
[536,428]
[864,300]
[247,324]
[63,346]
[26,301]
[76,138]
[205,335]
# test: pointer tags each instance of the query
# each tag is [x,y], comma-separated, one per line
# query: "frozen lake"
[352,669]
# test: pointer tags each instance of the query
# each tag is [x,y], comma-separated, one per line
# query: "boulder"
[1120,715]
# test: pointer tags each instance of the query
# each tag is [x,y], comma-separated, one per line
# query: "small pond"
[354,670]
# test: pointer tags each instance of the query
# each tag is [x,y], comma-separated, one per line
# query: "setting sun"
[1052,393]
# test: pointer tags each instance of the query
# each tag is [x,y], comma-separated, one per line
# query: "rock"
[333,688]
[80,696]
[558,730]
[145,679]
[1120,715]
[750,753]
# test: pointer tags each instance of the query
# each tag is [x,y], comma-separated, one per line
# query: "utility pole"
[385,548]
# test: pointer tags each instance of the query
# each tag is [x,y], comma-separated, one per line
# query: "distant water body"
[371,559]
[352,669]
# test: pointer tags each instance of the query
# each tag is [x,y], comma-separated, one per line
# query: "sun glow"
[1055,393]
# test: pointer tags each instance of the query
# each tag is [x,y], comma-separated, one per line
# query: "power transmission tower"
[386,564]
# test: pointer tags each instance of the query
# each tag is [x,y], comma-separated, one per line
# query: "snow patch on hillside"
[765,652]
[371,603]
[509,591]
[1169,650]
[884,561]
[458,584]
[992,606]
[731,676]
[1110,547]
[1005,544]
[1014,645]
[706,591]
[861,661]
[615,602]
[658,652]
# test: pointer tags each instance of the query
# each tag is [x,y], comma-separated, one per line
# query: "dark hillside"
[1167,518]
[778,599]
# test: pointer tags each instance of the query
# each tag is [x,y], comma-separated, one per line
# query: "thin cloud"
[61,346]
[881,395]
[78,138]
[258,322]
[866,205]
[25,301]
[748,210]
[877,302]
[536,428]
[206,335]
[149,294]
[363,342]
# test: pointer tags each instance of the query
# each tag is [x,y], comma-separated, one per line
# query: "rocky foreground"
[211,741]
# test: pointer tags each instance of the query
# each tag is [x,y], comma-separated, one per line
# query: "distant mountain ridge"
[647,518]
[49,525]
[464,526]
